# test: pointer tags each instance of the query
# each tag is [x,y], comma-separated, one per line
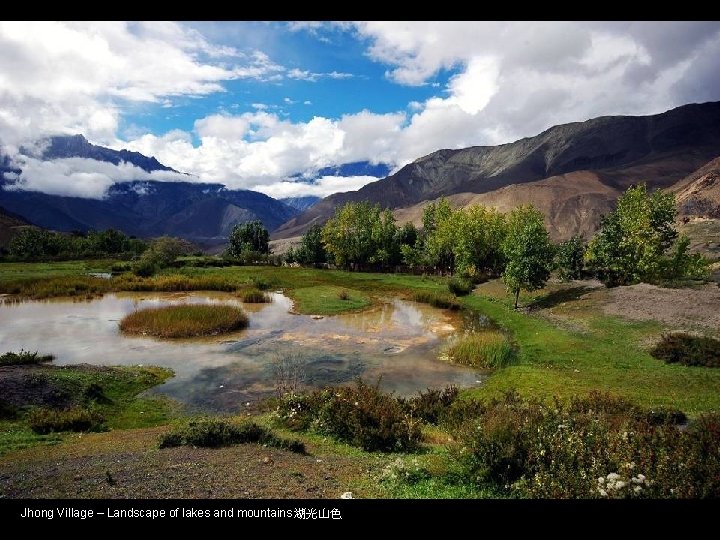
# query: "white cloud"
[81,177]
[322,187]
[307,102]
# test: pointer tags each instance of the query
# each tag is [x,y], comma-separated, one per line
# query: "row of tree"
[636,242]
[38,244]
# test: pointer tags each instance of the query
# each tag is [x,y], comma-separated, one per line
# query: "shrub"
[189,320]
[430,405]
[593,447]
[217,433]
[438,300]
[483,349]
[255,296]
[459,287]
[688,350]
[343,295]
[361,415]
[260,283]
[145,268]
[44,421]
[24,357]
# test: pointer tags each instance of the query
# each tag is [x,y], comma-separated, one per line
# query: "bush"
[146,268]
[438,300]
[217,433]
[343,295]
[361,415]
[430,405]
[180,321]
[482,349]
[593,447]
[460,287]
[255,296]
[688,350]
[24,357]
[44,421]
[261,283]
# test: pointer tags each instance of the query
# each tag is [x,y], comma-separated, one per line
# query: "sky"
[265,106]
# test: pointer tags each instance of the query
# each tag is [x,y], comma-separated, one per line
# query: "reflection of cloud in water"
[397,341]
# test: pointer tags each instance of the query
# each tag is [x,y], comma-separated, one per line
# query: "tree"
[527,250]
[569,258]
[248,237]
[438,239]
[634,238]
[478,234]
[360,234]
[311,249]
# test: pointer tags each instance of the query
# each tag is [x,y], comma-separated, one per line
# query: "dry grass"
[184,321]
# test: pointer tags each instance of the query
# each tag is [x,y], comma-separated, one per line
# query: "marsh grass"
[255,296]
[436,299]
[45,420]
[483,349]
[218,433]
[24,358]
[184,321]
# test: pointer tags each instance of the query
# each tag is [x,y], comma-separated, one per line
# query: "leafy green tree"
[528,251]
[248,237]
[478,234]
[634,238]
[311,249]
[361,234]
[34,243]
[440,223]
[569,258]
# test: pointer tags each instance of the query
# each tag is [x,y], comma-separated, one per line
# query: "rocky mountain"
[573,172]
[199,212]
[699,194]
[204,213]
[300,203]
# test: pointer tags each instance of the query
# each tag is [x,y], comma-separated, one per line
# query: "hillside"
[9,225]
[573,172]
[699,193]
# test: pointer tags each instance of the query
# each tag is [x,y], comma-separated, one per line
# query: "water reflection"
[396,342]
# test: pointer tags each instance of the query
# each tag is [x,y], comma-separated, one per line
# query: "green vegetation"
[482,349]
[247,239]
[635,240]
[162,253]
[436,299]
[255,296]
[527,250]
[569,259]
[183,321]
[212,433]
[592,447]
[688,350]
[45,420]
[327,300]
[24,357]
[459,286]
[311,250]
[33,244]
[360,415]
[38,401]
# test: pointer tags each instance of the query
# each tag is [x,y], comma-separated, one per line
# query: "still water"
[397,342]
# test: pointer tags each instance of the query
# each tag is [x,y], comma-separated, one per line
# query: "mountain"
[203,213]
[572,172]
[10,224]
[69,146]
[199,212]
[699,193]
[300,203]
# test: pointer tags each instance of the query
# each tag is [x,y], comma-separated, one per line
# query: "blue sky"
[274,106]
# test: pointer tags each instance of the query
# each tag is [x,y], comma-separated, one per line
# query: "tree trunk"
[517,295]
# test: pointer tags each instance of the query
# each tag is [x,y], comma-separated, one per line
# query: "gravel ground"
[127,464]
[678,308]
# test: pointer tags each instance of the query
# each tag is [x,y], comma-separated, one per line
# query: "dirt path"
[127,464]
[677,308]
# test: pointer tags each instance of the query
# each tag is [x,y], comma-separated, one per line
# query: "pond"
[397,343]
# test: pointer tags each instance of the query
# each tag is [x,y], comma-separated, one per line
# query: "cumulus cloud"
[321,187]
[80,177]
[504,81]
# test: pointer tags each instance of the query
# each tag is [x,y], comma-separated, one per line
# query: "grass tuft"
[24,358]
[217,433]
[483,349]
[436,299]
[44,420]
[255,296]
[184,321]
